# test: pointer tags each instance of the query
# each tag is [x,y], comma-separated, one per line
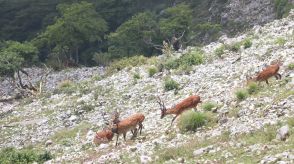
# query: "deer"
[106,134]
[186,104]
[128,124]
[103,136]
[266,73]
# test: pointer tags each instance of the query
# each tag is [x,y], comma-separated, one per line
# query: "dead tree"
[176,42]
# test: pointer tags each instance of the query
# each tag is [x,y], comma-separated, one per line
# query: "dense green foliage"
[190,121]
[14,156]
[96,32]
[78,26]
[15,55]
[282,8]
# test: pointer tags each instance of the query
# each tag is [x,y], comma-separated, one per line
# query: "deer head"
[162,107]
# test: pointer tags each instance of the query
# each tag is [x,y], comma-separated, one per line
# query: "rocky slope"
[64,121]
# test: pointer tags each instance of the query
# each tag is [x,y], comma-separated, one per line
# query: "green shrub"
[136,76]
[126,62]
[280,41]
[66,86]
[291,66]
[247,43]
[152,71]
[241,94]
[208,106]
[252,88]
[170,84]
[282,8]
[235,47]
[219,51]
[185,61]
[190,121]
[171,64]
[12,155]
[103,59]
[192,58]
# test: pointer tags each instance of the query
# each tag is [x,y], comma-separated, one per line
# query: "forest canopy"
[63,33]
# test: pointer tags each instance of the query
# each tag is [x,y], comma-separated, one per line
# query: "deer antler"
[161,104]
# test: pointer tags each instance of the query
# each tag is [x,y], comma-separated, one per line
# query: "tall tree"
[78,26]
[128,39]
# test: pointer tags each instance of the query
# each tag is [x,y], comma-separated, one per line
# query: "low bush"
[291,66]
[247,43]
[170,84]
[136,76]
[252,88]
[241,94]
[190,121]
[126,62]
[219,51]
[208,106]
[235,47]
[280,41]
[185,62]
[12,155]
[152,71]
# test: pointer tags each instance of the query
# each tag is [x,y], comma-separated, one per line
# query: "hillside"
[64,120]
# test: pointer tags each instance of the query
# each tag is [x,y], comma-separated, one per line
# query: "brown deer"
[188,103]
[128,124]
[266,73]
[103,136]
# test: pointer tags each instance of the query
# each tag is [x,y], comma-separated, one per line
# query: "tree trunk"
[77,55]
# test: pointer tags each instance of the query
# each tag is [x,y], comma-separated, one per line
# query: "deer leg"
[116,140]
[125,134]
[280,76]
[140,127]
[267,82]
[173,120]
[135,133]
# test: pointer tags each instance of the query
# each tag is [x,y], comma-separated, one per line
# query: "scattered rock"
[283,133]
[48,143]
[145,159]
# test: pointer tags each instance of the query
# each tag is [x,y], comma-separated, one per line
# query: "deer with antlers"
[186,104]
[266,73]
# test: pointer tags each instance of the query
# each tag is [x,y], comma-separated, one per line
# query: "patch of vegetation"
[252,88]
[208,106]
[136,76]
[262,136]
[170,84]
[219,51]
[234,112]
[125,63]
[247,43]
[290,122]
[152,71]
[235,47]
[12,155]
[66,86]
[241,94]
[190,121]
[280,41]
[64,136]
[97,78]
[183,63]
[283,8]
[291,66]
